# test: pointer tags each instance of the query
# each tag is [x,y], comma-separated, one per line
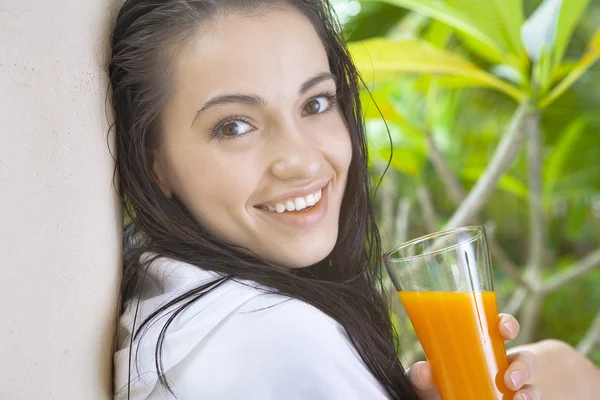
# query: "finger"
[421,376]
[529,392]
[509,327]
[522,366]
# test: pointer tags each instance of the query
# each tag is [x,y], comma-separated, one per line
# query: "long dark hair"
[147,36]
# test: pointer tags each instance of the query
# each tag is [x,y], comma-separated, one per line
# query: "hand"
[564,373]
[522,366]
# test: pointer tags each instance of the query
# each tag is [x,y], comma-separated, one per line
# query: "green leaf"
[510,13]
[381,60]
[456,19]
[438,34]
[563,70]
[542,73]
[405,160]
[409,145]
[589,58]
[377,105]
[577,183]
[501,20]
[507,183]
[578,213]
[554,165]
[570,14]
[361,26]
[539,31]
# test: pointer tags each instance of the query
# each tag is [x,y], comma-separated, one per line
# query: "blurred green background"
[450,78]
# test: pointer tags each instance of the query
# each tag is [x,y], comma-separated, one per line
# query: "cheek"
[214,187]
[339,146]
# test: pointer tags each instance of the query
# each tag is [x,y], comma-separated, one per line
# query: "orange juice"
[460,336]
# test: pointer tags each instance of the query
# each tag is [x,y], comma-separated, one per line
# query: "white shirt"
[238,342]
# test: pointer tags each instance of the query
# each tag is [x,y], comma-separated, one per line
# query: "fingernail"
[517,379]
[418,374]
[511,327]
[525,396]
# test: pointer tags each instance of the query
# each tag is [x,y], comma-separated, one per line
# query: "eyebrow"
[257,100]
[312,82]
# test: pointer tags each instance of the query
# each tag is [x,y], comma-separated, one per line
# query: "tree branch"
[402,220]
[451,183]
[501,160]
[516,301]
[537,229]
[457,194]
[591,338]
[536,212]
[578,270]
[426,205]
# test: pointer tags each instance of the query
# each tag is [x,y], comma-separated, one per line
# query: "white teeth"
[289,206]
[296,204]
[299,203]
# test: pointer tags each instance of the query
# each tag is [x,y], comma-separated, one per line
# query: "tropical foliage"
[493,108]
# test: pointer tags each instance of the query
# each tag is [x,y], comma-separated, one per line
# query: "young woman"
[252,254]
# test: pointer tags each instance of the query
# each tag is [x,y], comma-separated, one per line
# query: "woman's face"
[254,143]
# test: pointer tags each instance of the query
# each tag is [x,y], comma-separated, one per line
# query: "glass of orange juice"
[445,282]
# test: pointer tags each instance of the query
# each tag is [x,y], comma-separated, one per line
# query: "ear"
[159,172]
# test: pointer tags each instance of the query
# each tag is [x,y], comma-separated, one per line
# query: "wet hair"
[345,285]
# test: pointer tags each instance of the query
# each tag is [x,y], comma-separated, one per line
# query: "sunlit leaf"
[453,17]
[554,165]
[563,70]
[442,108]
[409,145]
[384,60]
[542,72]
[501,20]
[406,160]
[449,82]
[589,58]
[510,13]
[539,31]
[377,105]
[570,14]
[438,34]
[507,182]
[482,51]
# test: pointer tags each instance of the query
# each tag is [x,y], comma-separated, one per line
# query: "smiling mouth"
[296,204]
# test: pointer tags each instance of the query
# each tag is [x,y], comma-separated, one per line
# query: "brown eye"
[235,128]
[316,106]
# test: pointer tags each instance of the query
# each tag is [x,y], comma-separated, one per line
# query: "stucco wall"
[59,218]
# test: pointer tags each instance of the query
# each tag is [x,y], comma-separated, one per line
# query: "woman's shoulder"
[214,298]
[237,324]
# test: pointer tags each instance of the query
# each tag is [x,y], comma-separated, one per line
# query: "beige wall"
[59,218]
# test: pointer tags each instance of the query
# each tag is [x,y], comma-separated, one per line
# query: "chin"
[304,253]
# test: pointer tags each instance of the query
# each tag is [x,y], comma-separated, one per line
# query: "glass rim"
[479,229]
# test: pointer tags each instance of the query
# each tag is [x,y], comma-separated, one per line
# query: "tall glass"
[445,283]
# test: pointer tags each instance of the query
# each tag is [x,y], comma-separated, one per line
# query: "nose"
[297,154]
